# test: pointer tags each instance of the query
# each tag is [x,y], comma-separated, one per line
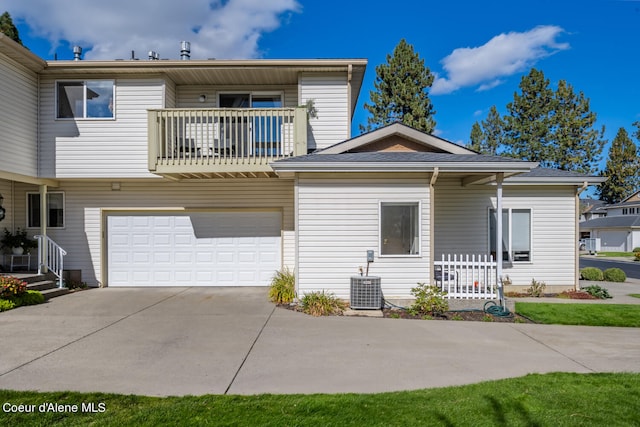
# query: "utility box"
[592,245]
[366,293]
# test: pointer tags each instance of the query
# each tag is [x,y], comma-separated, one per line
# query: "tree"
[400,93]
[7,27]
[554,128]
[622,169]
[488,135]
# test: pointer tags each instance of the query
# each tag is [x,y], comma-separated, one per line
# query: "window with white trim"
[55,210]
[516,234]
[399,228]
[90,99]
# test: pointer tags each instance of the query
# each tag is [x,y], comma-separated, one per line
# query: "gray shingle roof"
[397,157]
[541,172]
[618,221]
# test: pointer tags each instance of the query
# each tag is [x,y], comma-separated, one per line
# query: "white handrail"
[50,257]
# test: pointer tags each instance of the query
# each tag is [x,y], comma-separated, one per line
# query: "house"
[217,173]
[592,209]
[619,230]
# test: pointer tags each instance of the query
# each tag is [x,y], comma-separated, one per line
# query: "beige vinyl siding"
[339,221]
[18,118]
[461,227]
[86,148]
[330,94]
[188,96]
[86,200]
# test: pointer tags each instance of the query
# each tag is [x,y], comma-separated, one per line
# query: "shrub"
[536,289]
[597,291]
[429,300]
[322,304]
[614,275]
[28,298]
[6,305]
[592,273]
[637,249]
[11,286]
[637,256]
[283,287]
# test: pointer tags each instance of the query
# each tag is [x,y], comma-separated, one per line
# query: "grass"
[615,254]
[558,399]
[626,315]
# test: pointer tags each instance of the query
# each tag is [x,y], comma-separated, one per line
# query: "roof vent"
[153,55]
[77,53]
[185,50]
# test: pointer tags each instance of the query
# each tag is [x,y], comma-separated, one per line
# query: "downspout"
[576,276]
[42,268]
[350,111]
[432,204]
[499,258]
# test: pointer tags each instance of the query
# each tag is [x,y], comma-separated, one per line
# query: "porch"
[224,142]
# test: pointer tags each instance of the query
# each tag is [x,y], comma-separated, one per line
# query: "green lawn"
[615,254]
[559,399]
[581,314]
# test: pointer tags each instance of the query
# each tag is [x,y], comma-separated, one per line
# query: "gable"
[396,137]
[633,198]
[397,144]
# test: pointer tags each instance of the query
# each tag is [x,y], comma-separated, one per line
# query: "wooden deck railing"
[182,138]
[468,277]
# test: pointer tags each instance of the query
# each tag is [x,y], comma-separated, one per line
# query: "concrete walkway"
[178,341]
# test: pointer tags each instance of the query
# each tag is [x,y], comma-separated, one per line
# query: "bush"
[637,256]
[536,289]
[636,249]
[6,305]
[11,286]
[614,275]
[28,298]
[283,287]
[322,304]
[429,300]
[592,273]
[597,291]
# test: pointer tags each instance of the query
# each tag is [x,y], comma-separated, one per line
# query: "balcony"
[224,142]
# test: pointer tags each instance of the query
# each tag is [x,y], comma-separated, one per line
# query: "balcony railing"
[210,142]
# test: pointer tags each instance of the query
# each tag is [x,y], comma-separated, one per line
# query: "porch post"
[499,179]
[432,204]
[42,268]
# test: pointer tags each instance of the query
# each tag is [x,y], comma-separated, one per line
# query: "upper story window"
[90,99]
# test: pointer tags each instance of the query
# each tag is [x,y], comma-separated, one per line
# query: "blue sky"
[479,50]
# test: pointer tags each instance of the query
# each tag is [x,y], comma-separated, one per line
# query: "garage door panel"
[201,249]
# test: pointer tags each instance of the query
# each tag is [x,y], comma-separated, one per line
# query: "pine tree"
[528,125]
[7,27]
[400,93]
[622,168]
[488,136]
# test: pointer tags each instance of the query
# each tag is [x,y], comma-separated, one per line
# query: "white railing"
[223,136]
[50,257]
[467,276]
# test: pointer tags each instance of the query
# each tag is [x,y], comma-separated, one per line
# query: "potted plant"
[19,242]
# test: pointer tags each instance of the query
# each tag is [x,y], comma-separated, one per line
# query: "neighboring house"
[619,230]
[592,209]
[196,173]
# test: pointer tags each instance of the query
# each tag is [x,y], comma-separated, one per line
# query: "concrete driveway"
[177,341]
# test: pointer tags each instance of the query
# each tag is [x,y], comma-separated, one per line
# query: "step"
[42,285]
[55,292]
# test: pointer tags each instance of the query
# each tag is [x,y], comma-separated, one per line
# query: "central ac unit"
[366,293]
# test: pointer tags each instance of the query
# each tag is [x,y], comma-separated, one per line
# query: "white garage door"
[195,249]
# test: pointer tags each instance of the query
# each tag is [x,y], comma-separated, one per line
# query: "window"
[516,234]
[55,210]
[92,99]
[399,228]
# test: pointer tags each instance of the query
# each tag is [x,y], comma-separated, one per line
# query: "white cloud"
[215,28]
[502,56]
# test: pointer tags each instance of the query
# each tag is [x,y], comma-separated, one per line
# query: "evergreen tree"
[528,125]
[554,128]
[400,93]
[622,169]
[488,136]
[7,27]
